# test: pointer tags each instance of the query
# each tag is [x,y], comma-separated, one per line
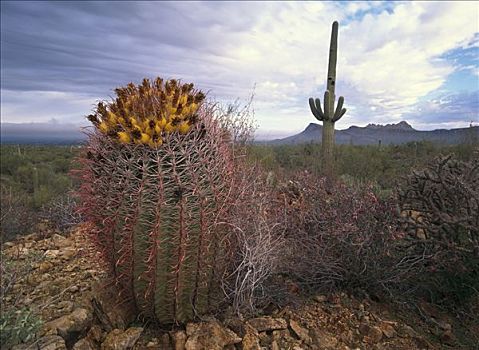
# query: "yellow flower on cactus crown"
[145,138]
[144,113]
[183,100]
[124,137]
[103,127]
[163,122]
[184,128]
[169,128]
[112,118]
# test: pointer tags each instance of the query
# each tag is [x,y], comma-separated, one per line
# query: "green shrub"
[17,324]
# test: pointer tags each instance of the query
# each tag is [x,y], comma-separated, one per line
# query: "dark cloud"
[449,107]
[94,46]
[58,58]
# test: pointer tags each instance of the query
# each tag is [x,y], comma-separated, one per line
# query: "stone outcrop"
[80,309]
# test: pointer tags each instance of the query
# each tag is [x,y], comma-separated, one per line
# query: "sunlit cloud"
[394,58]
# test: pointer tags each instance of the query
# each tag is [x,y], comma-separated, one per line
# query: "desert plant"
[446,196]
[258,235]
[330,115]
[61,212]
[18,326]
[442,203]
[158,183]
[15,215]
[341,237]
[17,323]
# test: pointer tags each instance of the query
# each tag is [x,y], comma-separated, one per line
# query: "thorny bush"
[441,207]
[343,237]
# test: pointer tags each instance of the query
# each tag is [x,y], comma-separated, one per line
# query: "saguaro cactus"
[158,183]
[330,114]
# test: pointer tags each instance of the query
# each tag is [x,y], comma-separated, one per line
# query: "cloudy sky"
[414,61]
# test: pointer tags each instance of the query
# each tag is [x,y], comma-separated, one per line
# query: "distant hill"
[395,134]
[402,132]
[41,133]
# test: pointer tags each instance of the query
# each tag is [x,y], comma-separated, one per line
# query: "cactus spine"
[157,186]
[330,114]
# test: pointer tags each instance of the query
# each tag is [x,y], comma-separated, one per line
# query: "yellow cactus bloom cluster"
[144,114]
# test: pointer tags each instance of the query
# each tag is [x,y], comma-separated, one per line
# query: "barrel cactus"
[157,185]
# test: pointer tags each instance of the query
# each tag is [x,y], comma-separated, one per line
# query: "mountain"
[41,133]
[371,134]
[402,132]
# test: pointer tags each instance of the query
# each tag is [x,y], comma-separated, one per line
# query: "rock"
[96,334]
[51,253]
[238,326]
[68,253]
[69,326]
[405,331]
[152,345]
[250,342]
[84,344]
[448,337]
[262,324]
[445,326]
[51,342]
[165,342]
[324,340]
[281,334]
[121,340]
[274,345]
[60,241]
[264,340]
[301,332]
[422,343]
[45,266]
[387,329]
[283,339]
[65,306]
[209,336]
[179,340]
[33,279]
[320,298]
[372,334]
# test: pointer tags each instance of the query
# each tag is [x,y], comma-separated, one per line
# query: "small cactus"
[330,115]
[157,185]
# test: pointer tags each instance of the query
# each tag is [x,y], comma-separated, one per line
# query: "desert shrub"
[16,216]
[344,237]
[442,201]
[17,324]
[62,212]
[258,237]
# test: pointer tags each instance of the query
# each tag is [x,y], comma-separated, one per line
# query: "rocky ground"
[65,286]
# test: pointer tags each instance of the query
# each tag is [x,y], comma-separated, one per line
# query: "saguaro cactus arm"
[340,111]
[330,113]
[315,106]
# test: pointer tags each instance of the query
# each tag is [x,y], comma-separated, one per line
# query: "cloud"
[449,109]
[45,106]
[62,56]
